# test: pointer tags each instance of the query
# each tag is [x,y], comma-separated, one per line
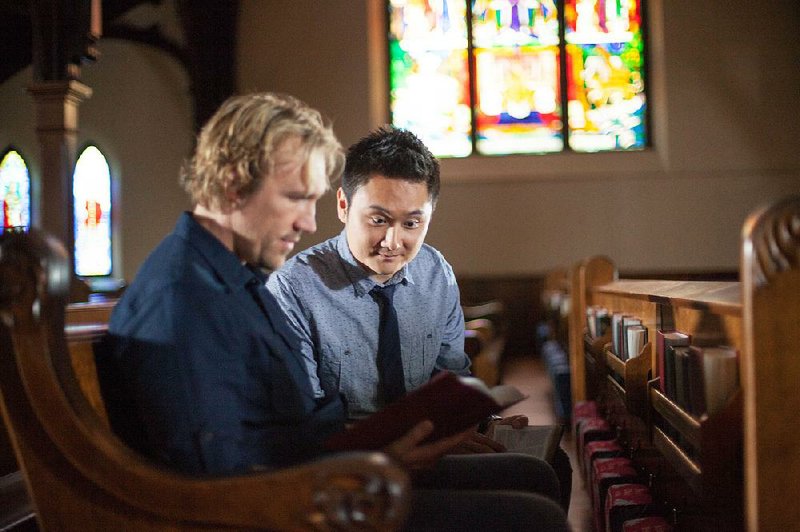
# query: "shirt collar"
[228,266]
[362,284]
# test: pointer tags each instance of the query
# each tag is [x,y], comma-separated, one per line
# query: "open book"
[540,441]
[451,402]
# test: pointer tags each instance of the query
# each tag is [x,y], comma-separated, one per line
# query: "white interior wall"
[724,85]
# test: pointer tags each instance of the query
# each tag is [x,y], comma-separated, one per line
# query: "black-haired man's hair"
[393,153]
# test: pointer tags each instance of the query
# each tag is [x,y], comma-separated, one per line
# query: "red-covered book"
[451,402]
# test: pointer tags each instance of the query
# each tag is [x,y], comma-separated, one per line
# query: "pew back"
[717,469]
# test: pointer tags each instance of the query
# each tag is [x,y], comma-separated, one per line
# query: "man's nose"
[391,240]
[307,221]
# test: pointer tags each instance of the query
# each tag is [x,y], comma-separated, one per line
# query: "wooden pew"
[736,468]
[80,476]
[86,323]
[485,339]
[90,312]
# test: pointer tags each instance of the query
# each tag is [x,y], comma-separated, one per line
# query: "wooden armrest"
[494,308]
[484,345]
[483,328]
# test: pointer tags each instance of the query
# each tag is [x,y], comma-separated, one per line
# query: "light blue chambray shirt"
[326,295]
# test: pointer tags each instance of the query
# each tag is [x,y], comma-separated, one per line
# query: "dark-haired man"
[331,293]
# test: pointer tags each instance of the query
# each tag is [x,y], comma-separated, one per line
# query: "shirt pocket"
[419,365]
[359,375]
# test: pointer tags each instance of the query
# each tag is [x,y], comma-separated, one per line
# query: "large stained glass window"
[91,191]
[498,77]
[15,190]
[605,62]
[430,73]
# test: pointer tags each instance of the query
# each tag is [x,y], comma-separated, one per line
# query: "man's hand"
[478,443]
[517,422]
[484,443]
[415,455]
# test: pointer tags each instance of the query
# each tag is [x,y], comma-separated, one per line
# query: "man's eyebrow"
[301,194]
[416,212]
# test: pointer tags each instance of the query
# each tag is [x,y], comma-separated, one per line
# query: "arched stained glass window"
[15,190]
[91,191]
[518,76]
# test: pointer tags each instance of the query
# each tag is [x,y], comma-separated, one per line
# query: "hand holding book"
[453,404]
[411,450]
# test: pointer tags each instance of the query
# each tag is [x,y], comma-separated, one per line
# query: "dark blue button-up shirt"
[201,371]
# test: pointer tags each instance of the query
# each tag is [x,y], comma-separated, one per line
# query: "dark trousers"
[500,491]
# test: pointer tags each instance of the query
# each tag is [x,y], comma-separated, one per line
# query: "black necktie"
[390,363]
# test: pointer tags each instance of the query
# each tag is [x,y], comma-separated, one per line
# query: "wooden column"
[64,37]
[57,129]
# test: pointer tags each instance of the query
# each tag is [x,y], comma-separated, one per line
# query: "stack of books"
[699,379]
[598,320]
[628,335]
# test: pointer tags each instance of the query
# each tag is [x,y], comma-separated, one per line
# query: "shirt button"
[347,352]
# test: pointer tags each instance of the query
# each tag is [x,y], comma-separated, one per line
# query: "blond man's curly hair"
[235,149]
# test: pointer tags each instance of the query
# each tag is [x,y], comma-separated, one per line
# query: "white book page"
[533,439]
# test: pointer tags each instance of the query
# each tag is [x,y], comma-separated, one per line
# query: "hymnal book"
[616,343]
[603,321]
[720,376]
[696,386]
[597,321]
[624,324]
[681,360]
[712,376]
[540,441]
[664,340]
[635,340]
[451,402]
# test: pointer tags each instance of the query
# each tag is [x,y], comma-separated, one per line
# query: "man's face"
[268,223]
[385,222]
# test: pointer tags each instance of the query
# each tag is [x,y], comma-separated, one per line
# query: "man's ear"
[232,197]
[341,205]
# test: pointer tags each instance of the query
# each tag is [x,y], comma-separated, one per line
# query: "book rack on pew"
[721,469]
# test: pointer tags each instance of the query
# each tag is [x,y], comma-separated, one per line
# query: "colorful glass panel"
[91,185]
[429,78]
[517,76]
[517,80]
[514,23]
[15,190]
[605,75]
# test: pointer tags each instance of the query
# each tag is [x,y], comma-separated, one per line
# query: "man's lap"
[491,471]
[483,510]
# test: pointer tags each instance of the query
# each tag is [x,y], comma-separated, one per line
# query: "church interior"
[545,238]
